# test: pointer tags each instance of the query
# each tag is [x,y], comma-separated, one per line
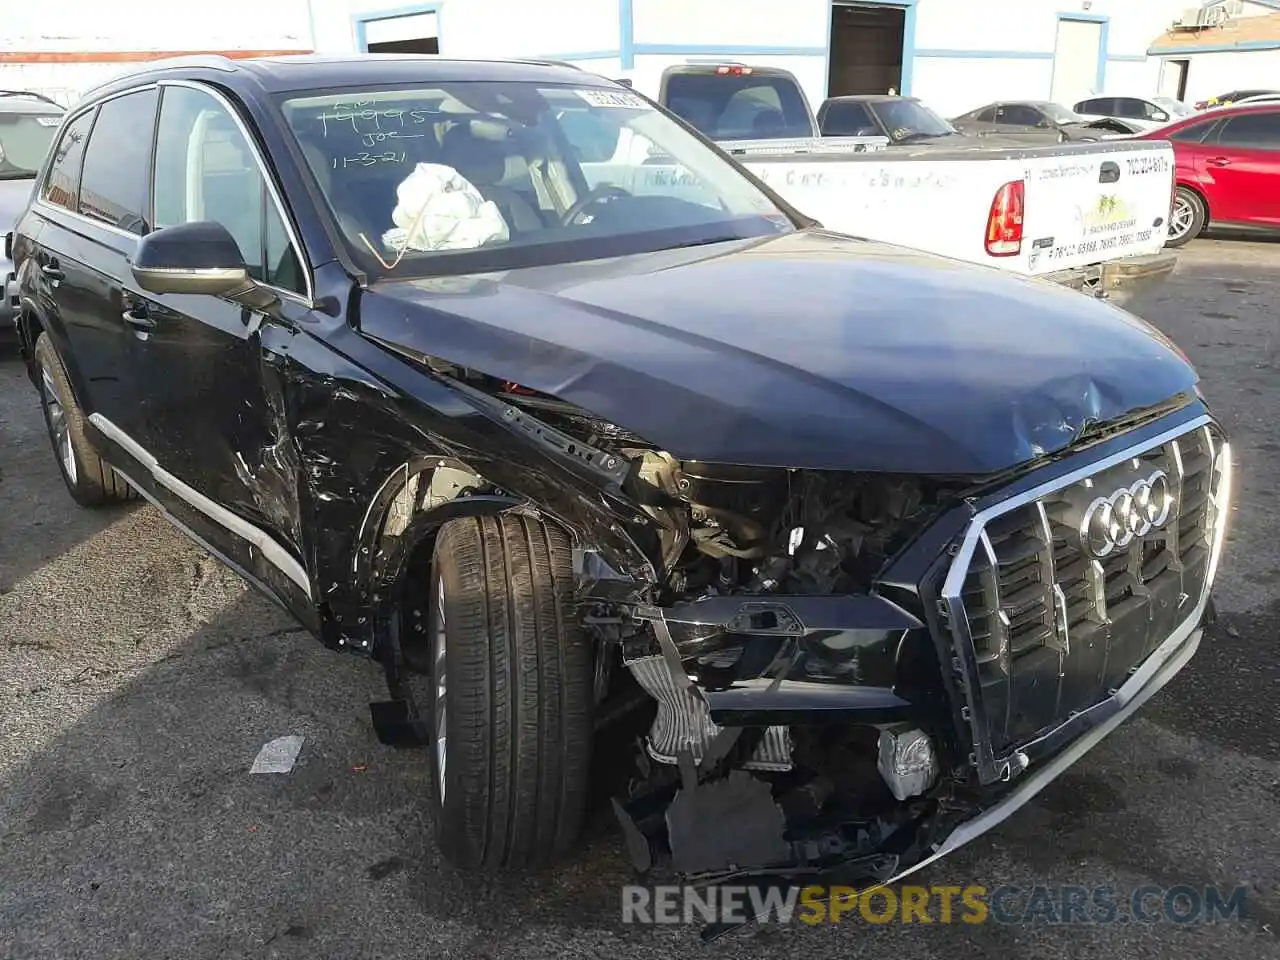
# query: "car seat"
[768,123]
[483,162]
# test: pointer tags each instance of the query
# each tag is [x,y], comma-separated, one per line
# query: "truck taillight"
[733,71]
[1004,224]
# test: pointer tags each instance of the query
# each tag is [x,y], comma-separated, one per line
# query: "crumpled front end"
[884,668]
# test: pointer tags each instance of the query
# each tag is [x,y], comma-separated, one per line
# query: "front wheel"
[1186,218]
[508,691]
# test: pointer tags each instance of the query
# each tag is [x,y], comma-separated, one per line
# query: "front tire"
[89,479]
[1186,218]
[510,694]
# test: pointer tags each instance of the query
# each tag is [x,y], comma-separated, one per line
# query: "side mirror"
[1161,117]
[197,258]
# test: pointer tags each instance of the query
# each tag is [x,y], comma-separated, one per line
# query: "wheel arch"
[31,323]
[397,538]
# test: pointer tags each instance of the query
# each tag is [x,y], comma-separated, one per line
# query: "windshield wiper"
[17,175]
[921,135]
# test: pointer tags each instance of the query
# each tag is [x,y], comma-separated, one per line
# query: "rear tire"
[513,671]
[89,479]
[1186,217]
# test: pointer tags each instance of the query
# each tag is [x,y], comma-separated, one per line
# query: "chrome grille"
[1044,627]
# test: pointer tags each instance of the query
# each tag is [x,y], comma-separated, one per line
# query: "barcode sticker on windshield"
[48,121]
[612,98]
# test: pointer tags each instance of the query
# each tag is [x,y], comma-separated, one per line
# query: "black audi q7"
[872,544]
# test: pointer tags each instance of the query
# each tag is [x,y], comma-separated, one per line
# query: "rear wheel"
[90,481]
[1186,218]
[507,685]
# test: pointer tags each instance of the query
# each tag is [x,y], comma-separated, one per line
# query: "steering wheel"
[597,195]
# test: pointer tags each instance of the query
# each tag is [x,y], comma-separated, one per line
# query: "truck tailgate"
[1108,203]
[1085,203]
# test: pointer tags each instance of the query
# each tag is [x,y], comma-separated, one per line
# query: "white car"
[1148,113]
[1257,98]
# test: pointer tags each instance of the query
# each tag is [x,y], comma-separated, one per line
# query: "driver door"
[212,401]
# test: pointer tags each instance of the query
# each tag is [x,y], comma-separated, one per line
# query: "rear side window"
[849,118]
[1193,132]
[113,185]
[737,107]
[63,182]
[1105,106]
[1257,131]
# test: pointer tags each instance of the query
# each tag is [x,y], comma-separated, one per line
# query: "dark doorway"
[866,49]
[1173,78]
[421,45]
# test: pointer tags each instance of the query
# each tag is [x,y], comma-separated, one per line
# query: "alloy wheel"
[58,425]
[1181,218]
[439,684]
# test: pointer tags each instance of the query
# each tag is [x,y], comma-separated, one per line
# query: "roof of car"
[322,71]
[868,98]
[25,102]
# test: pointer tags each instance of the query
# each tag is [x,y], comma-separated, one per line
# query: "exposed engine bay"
[781,794]
[802,657]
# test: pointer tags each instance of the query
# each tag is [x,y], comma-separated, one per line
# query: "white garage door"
[1075,60]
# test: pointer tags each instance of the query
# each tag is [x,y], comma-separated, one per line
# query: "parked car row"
[1227,157]
[1022,208]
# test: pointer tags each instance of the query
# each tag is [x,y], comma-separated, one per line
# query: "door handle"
[53,271]
[138,318]
[1219,161]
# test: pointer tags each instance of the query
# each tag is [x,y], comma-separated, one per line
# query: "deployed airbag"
[439,209]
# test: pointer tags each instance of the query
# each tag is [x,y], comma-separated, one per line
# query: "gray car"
[28,122]
[1038,121]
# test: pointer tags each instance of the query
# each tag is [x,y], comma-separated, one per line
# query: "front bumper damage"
[752,682]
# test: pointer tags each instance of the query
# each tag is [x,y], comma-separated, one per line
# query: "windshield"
[482,176]
[24,140]
[1175,108]
[1060,114]
[910,120]
[739,106]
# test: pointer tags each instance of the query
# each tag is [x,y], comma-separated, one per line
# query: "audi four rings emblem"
[1111,523]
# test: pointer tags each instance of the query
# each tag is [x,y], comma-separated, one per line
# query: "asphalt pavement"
[139,679]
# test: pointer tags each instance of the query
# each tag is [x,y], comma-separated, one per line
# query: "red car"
[1228,170]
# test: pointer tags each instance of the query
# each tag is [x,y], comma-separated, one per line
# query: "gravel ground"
[138,679]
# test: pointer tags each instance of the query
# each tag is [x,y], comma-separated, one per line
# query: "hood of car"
[961,141]
[807,350]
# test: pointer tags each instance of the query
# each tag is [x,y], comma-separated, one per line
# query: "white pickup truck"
[1089,215]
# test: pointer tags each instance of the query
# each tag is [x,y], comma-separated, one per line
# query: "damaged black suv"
[874,544]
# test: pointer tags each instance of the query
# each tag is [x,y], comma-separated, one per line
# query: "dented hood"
[805,350]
